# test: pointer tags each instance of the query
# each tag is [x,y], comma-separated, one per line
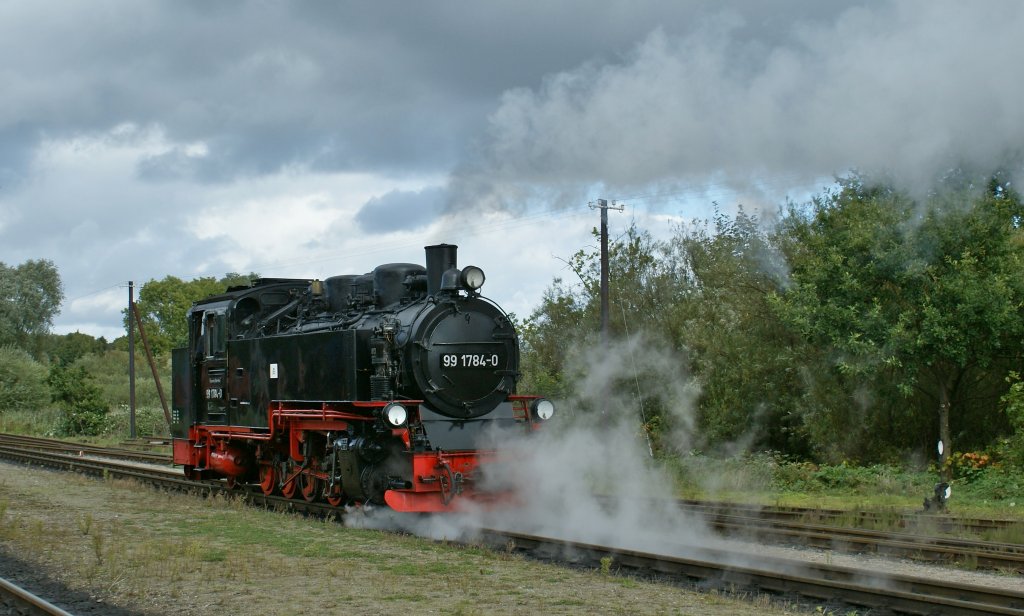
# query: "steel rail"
[985,554]
[858,587]
[860,518]
[26,602]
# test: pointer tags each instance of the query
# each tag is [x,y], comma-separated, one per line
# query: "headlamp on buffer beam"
[542,409]
[395,415]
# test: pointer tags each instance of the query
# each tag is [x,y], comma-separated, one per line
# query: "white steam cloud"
[909,89]
[589,476]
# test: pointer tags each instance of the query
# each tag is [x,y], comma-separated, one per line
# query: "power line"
[120,285]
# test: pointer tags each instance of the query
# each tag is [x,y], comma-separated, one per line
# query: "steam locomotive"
[374,388]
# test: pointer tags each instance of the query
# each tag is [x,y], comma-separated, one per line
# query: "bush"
[991,483]
[110,373]
[23,384]
[83,409]
[1012,448]
[149,421]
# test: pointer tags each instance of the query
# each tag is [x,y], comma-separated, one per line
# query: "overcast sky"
[308,139]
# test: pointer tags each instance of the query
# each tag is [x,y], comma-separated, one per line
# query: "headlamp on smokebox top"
[542,409]
[472,277]
[395,415]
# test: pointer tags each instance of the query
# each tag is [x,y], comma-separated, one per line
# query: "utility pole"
[602,204]
[131,359]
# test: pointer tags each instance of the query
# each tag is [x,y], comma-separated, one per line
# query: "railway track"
[17,600]
[1000,556]
[855,587]
[44,444]
[855,519]
[718,568]
[786,526]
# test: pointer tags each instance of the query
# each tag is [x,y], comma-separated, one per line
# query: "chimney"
[440,258]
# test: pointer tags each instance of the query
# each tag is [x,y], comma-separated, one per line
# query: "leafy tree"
[83,409]
[164,303]
[565,327]
[923,299]
[30,296]
[743,356]
[68,348]
[23,383]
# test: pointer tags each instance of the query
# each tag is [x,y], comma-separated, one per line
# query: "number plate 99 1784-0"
[469,360]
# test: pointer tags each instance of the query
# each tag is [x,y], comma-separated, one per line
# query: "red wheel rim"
[310,487]
[335,498]
[268,479]
[231,483]
[289,489]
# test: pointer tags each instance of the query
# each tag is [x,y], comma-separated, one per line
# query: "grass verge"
[160,553]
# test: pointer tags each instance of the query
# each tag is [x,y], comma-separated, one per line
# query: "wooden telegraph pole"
[602,204]
[131,360]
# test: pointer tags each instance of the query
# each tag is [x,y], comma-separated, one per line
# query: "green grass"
[773,480]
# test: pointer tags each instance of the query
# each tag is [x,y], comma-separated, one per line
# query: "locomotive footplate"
[444,481]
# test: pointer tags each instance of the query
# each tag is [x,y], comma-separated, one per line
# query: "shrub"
[23,384]
[149,421]
[83,409]
[1013,406]
[992,483]
[110,373]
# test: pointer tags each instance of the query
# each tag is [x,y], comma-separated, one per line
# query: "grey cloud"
[336,86]
[401,210]
[526,102]
[909,88]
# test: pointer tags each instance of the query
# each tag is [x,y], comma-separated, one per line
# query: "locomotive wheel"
[310,487]
[335,497]
[231,483]
[290,489]
[268,479]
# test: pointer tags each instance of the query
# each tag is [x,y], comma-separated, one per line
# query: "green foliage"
[776,473]
[992,484]
[913,303]
[743,357]
[83,409]
[69,347]
[109,372]
[835,336]
[30,296]
[23,385]
[149,422]
[1013,406]
[164,303]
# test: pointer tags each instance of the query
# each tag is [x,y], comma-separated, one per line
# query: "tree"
[743,356]
[163,305]
[920,298]
[30,296]
[69,347]
[560,338]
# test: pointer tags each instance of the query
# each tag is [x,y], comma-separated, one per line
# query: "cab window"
[213,334]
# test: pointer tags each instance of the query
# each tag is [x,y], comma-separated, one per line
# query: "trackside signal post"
[602,204]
